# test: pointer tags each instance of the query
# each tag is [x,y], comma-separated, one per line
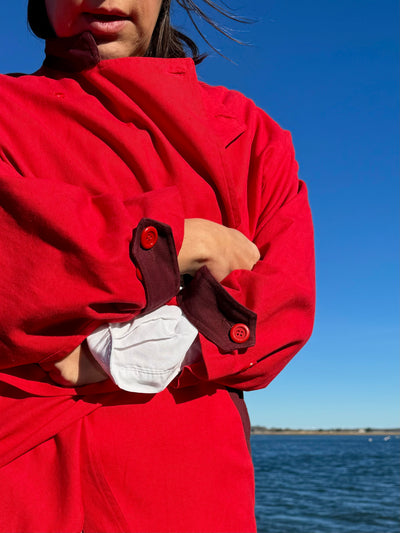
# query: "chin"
[114,50]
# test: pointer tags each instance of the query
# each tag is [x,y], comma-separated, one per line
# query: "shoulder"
[15,85]
[16,80]
[35,83]
[13,78]
[33,93]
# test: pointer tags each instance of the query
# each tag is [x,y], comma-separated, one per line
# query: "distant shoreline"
[259,430]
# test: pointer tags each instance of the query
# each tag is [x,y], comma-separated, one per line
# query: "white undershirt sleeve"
[146,354]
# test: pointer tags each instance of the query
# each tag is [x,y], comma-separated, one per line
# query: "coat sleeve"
[68,263]
[280,290]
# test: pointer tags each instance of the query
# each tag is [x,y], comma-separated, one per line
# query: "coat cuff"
[154,254]
[216,314]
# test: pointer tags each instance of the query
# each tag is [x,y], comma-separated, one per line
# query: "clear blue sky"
[328,72]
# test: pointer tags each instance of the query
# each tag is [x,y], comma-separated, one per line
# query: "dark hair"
[166,41]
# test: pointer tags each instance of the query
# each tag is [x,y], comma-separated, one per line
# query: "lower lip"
[104,27]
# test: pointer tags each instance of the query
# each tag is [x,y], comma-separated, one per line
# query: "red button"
[139,274]
[148,237]
[239,333]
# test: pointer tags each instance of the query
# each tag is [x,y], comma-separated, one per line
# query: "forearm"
[142,355]
[77,368]
[67,266]
[279,290]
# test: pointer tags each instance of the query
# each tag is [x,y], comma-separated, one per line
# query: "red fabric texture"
[152,142]
[83,158]
[122,469]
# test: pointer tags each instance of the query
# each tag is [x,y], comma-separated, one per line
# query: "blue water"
[327,484]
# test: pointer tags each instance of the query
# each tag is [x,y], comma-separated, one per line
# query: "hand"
[77,368]
[219,248]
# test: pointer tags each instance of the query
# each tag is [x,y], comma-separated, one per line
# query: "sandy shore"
[258,430]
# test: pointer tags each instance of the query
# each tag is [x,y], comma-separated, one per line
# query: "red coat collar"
[72,54]
[167,88]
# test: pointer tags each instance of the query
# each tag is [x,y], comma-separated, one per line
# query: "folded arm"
[66,264]
[146,357]
[280,289]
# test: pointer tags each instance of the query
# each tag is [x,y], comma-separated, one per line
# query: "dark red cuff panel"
[206,304]
[154,254]
[216,314]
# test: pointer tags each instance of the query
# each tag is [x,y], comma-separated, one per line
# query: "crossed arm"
[205,243]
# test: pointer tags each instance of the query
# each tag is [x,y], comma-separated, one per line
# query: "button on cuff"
[153,253]
[148,237]
[239,333]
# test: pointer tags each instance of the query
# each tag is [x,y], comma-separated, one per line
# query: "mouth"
[105,23]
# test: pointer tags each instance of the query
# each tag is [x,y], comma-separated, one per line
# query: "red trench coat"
[91,153]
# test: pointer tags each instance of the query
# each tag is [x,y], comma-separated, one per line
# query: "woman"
[121,177]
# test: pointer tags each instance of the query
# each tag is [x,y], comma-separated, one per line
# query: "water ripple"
[326,484]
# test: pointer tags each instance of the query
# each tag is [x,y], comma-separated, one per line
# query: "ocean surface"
[327,484]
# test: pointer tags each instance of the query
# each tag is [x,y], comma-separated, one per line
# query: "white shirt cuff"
[146,354]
